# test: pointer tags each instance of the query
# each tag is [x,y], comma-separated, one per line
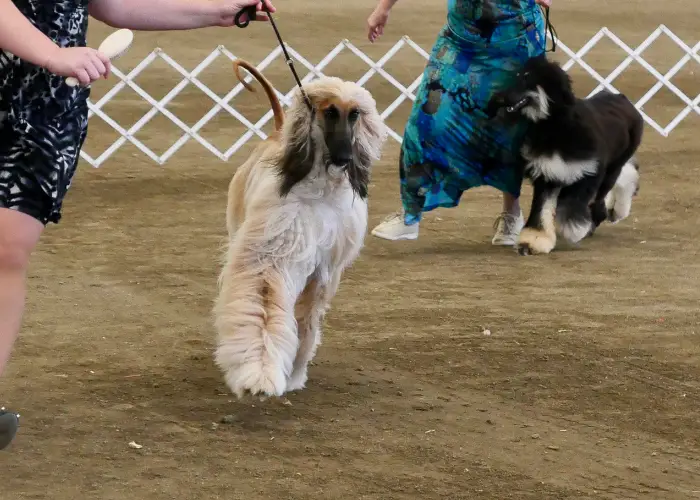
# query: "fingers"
[95,65]
[375,32]
[90,65]
[83,77]
[101,64]
[106,67]
[265,5]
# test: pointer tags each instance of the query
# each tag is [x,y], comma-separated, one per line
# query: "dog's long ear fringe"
[567,85]
[358,175]
[569,96]
[298,155]
[370,135]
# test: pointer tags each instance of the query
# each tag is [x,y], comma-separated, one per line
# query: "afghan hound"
[579,154]
[296,219]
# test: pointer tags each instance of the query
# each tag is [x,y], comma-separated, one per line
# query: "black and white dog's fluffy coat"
[579,154]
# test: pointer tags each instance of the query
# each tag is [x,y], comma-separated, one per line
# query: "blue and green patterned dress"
[450,144]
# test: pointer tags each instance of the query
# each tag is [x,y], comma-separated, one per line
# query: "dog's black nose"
[341,159]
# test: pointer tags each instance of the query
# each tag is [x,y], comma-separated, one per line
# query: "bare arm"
[152,14]
[22,38]
[387,4]
[378,19]
[157,15]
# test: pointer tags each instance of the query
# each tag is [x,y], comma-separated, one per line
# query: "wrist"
[49,55]
[386,5]
[208,12]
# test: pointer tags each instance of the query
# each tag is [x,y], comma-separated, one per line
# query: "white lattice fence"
[222,104]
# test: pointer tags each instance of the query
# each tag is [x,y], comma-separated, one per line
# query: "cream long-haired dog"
[296,219]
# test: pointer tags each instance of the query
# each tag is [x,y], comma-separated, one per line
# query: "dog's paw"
[297,381]
[256,379]
[533,242]
[575,231]
[615,216]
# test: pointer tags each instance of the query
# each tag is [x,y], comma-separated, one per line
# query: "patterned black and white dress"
[43,121]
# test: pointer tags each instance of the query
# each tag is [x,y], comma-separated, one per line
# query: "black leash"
[251,13]
[552,32]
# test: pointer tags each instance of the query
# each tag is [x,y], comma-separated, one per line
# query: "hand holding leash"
[251,12]
[256,11]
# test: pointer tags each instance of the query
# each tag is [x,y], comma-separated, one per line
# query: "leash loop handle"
[251,13]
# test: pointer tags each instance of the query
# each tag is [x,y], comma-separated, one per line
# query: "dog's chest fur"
[333,220]
[553,167]
[562,150]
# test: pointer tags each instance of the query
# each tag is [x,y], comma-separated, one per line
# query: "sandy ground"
[587,387]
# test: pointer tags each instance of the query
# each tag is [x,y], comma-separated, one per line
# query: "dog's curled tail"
[269,90]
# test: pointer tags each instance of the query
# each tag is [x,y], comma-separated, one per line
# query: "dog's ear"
[368,140]
[298,156]
[567,88]
[564,84]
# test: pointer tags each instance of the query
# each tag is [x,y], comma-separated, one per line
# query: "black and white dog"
[579,154]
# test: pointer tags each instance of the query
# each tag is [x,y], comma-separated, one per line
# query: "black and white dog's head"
[539,89]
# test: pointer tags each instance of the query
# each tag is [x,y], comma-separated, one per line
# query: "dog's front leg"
[311,309]
[257,332]
[309,317]
[539,235]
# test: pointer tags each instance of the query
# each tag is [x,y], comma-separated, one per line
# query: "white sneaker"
[507,228]
[393,228]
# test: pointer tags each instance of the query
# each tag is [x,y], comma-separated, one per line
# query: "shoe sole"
[9,423]
[502,243]
[402,237]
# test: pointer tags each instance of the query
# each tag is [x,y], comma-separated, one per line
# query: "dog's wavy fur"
[295,222]
[578,154]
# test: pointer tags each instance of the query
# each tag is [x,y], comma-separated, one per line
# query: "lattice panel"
[223,104]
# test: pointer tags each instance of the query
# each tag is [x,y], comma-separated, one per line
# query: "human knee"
[18,238]
[14,254]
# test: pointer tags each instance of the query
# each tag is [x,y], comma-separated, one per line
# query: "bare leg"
[19,235]
[511,204]
[509,222]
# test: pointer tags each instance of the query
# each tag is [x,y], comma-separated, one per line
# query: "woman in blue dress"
[450,145]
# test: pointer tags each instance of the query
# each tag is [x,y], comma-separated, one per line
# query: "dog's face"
[538,88]
[337,120]
[344,132]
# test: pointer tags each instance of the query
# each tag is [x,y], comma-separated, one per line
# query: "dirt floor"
[586,388]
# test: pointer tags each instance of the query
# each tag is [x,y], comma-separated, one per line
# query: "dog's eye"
[354,115]
[331,112]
